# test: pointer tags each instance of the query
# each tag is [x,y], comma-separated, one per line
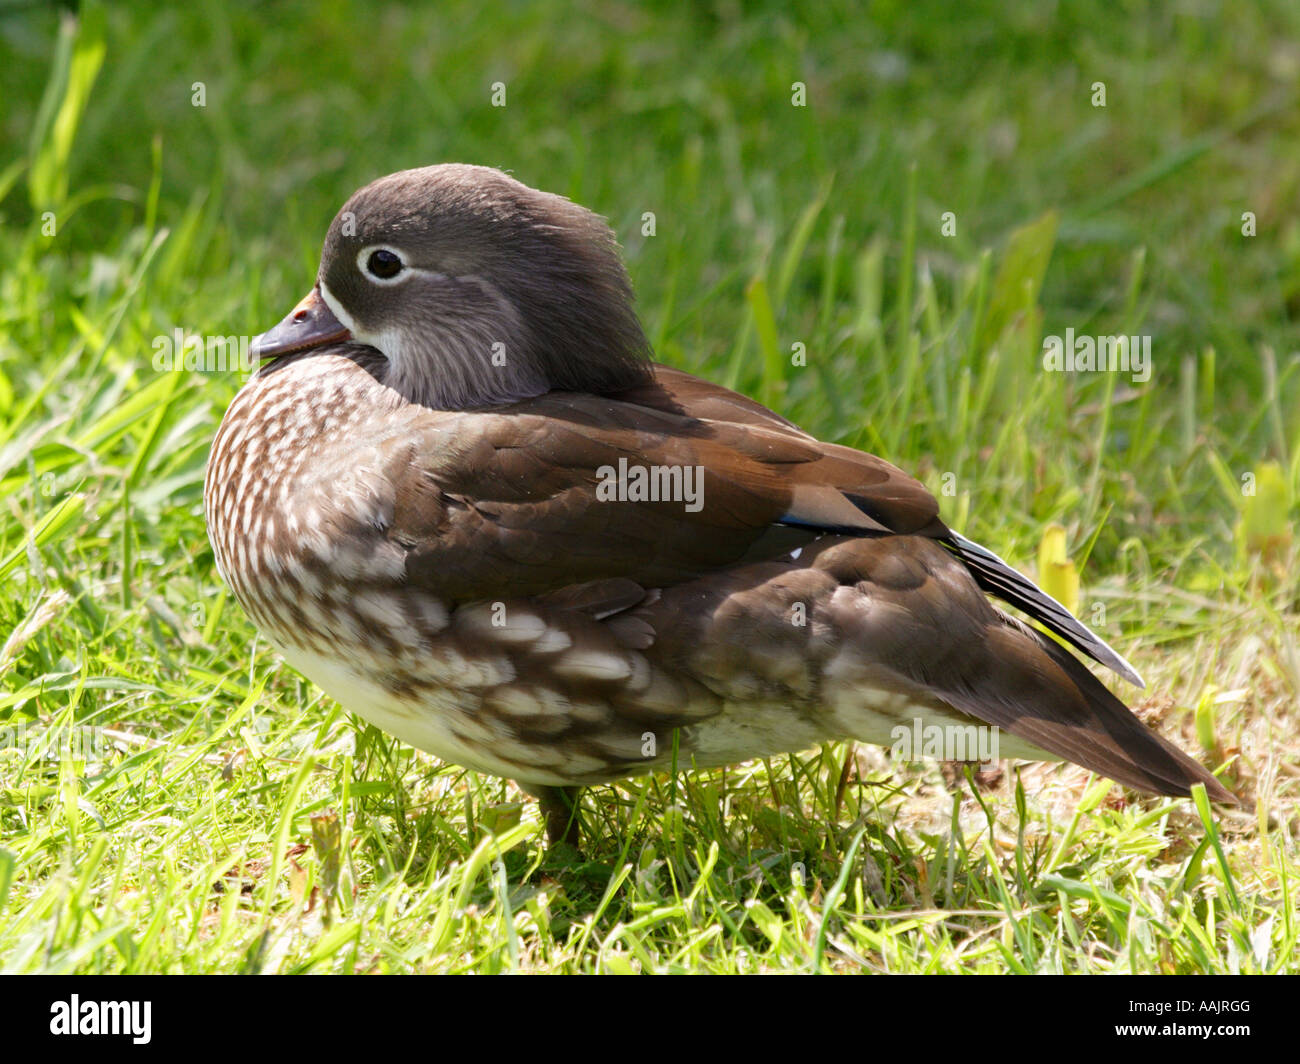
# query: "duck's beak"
[310,324]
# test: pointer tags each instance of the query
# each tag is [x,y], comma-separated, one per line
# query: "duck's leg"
[560,810]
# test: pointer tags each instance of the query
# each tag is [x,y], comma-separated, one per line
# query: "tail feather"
[998,578]
[1042,694]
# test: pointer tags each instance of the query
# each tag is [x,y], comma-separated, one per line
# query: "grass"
[224,816]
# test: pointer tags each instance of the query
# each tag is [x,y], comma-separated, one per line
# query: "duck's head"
[476,289]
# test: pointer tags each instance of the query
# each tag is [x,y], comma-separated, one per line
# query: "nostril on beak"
[310,324]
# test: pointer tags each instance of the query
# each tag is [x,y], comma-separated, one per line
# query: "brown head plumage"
[480,290]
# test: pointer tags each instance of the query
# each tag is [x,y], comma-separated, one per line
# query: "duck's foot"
[560,812]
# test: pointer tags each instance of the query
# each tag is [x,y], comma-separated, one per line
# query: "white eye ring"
[363,264]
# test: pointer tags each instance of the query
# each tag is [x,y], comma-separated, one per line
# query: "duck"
[460,496]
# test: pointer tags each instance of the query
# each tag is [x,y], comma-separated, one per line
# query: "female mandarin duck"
[415,499]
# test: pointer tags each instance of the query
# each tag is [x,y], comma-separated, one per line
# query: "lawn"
[869,218]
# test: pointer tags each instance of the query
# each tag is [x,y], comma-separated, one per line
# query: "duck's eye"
[384,264]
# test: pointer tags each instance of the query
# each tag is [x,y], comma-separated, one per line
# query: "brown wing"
[506,502]
[509,502]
